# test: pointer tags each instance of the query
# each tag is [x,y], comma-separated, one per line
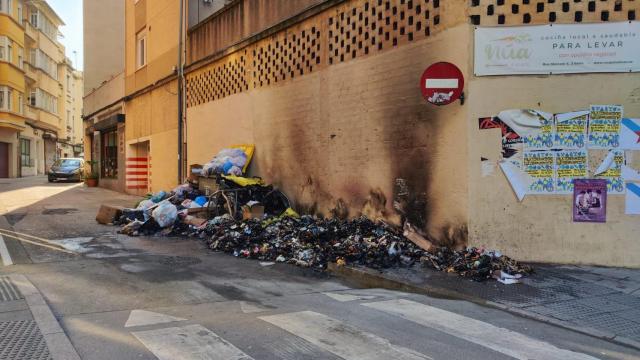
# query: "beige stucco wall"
[352,129]
[540,228]
[103,41]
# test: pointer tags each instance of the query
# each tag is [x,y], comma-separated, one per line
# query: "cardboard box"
[252,212]
[108,214]
[192,220]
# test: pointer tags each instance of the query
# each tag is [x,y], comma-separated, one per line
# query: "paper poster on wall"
[610,168]
[604,126]
[541,139]
[539,165]
[571,130]
[630,134]
[632,200]
[570,165]
[590,200]
[511,141]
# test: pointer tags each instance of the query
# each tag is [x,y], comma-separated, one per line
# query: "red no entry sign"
[442,83]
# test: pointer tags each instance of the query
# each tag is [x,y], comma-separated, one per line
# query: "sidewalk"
[602,302]
[28,328]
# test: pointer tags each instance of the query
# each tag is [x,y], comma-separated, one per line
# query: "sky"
[71,13]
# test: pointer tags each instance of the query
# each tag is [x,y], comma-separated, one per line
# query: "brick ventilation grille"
[219,80]
[8,291]
[522,12]
[22,340]
[372,26]
[355,29]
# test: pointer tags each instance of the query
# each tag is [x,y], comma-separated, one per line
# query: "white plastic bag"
[165,214]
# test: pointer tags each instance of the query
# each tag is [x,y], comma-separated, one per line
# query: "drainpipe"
[180,95]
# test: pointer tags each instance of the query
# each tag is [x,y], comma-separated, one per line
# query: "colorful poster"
[590,200]
[539,165]
[511,141]
[571,130]
[630,134]
[632,200]
[542,139]
[557,48]
[604,126]
[610,169]
[570,165]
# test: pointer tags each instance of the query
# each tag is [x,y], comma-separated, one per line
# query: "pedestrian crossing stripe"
[339,338]
[498,339]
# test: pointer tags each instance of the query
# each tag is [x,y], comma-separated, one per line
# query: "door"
[4,160]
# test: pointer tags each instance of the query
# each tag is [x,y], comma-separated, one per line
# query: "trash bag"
[159,196]
[227,161]
[145,205]
[165,214]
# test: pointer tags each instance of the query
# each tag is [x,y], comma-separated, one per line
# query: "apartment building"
[34,93]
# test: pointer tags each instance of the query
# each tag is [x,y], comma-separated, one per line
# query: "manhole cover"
[179,260]
[22,340]
[62,211]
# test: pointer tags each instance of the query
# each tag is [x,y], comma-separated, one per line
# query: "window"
[25,152]
[44,101]
[4,42]
[6,7]
[21,58]
[20,19]
[43,62]
[5,98]
[9,50]
[32,98]
[20,108]
[34,18]
[110,154]
[68,83]
[141,49]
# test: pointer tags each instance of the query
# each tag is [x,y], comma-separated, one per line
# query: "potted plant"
[91,176]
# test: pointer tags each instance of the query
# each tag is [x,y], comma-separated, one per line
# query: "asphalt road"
[169,298]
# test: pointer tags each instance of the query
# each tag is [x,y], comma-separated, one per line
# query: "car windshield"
[67,163]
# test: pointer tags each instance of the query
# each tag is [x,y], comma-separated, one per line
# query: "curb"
[57,341]
[370,278]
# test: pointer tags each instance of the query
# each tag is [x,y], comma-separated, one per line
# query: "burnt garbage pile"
[313,242]
[477,264]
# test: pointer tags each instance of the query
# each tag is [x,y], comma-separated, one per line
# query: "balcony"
[30,72]
[31,31]
[41,118]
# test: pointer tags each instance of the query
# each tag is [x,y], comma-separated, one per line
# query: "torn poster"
[604,126]
[630,174]
[570,165]
[511,141]
[519,180]
[534,126]
[632,199]
[571,130]
[590,200]
[630,134]
[540,166]
[610,169]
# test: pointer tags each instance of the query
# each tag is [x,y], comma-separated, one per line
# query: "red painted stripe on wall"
[136,159]
[137,167]
[137,173]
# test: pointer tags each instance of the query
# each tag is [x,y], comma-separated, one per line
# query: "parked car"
[70,169]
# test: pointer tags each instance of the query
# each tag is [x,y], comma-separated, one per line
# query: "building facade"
[35,95]
[104,91]
[329,92]
[151,107]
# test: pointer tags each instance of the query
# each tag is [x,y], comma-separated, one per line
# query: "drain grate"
[22,340]
[175,261]
[8,291]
